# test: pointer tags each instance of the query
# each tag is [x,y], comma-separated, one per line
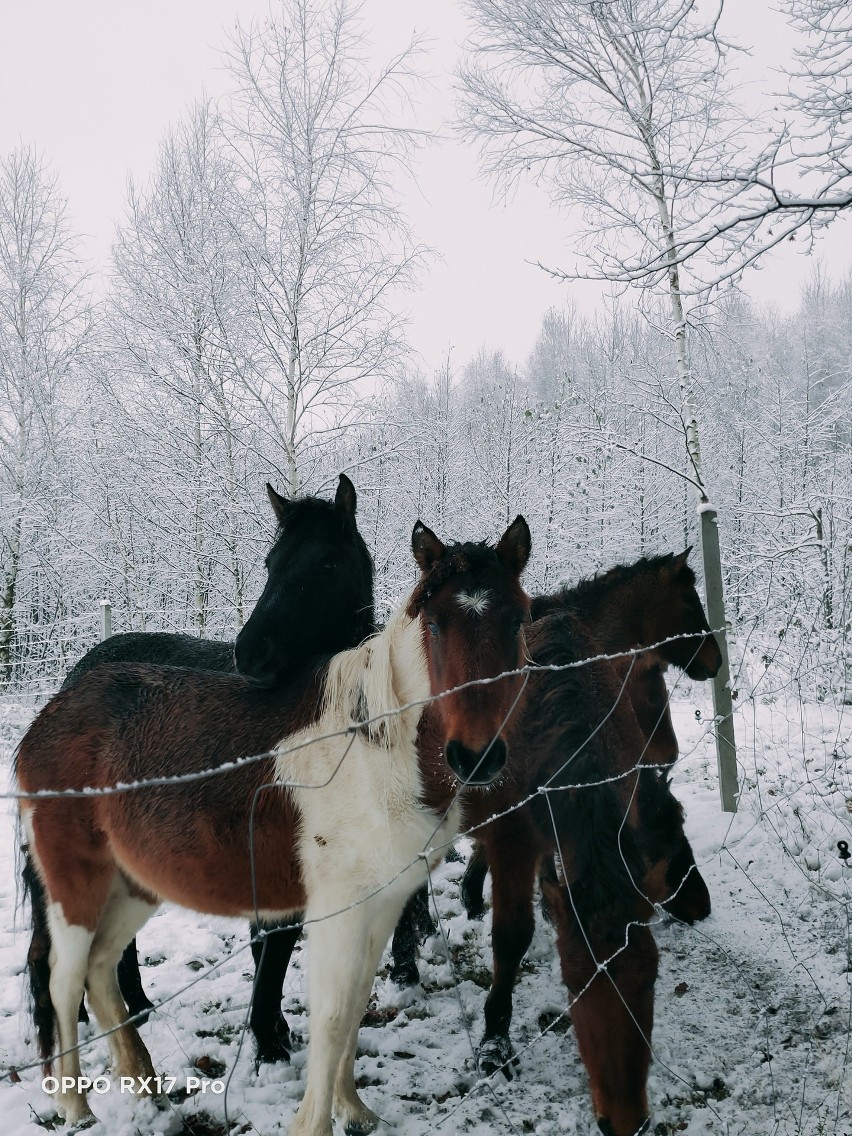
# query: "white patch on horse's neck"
[474,603]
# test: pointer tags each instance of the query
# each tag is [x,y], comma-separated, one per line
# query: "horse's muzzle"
[701,672]
[474,767]
[257,662]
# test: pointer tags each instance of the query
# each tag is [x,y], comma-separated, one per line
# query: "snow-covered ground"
[753,1006]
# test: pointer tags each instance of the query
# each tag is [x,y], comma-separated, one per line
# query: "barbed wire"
[353,728]
[543,790]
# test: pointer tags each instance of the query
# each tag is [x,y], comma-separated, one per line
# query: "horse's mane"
[592,589]
[362,683]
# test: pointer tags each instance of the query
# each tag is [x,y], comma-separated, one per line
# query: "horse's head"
[680,612]
[318,597]
[471,608]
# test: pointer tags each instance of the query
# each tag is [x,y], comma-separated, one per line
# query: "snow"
[753,1006]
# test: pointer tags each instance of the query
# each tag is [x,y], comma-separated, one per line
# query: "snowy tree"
[325,248]
[179,349]
[44,322]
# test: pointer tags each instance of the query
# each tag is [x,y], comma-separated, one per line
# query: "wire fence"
[780,936]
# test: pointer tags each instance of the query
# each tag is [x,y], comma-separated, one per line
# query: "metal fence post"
[106,619]
[723,707]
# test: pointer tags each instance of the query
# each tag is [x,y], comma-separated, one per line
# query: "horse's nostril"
[476,767]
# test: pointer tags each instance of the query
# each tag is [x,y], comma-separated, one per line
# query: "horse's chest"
[367,825]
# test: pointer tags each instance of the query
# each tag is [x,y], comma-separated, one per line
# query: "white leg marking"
[348,1107]
[122,917]
[69,958]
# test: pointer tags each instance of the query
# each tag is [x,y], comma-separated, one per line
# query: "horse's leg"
[122,917]
[349,1109]
[139,1004]
[342,951]
[610,973]
[415,920]
[473,882]
[271,954]
[512,859]
[69,961]
[546,875]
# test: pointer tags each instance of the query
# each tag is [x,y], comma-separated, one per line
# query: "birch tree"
[622,108]
[180,346]
[325,248]
[43,328]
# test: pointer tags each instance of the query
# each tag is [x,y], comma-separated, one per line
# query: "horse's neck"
[614,616]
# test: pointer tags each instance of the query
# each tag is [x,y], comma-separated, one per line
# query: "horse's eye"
[433,627]
[328,566]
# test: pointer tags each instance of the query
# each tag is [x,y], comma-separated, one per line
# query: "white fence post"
[106,619]
[726,745]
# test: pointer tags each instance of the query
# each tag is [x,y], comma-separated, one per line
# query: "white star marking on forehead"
[474,603]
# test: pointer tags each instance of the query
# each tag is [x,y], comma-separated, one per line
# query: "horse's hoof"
[474,908]
[472,899]
[356,1118]
[274,1045]
[607,1129]
[496,1055]
[405,974]
[77,1118]
[361,1127]
[84,1123]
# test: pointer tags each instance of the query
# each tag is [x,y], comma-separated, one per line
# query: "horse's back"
[134,721]
[161,648]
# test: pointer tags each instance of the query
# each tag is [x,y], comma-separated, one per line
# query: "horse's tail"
[38,963]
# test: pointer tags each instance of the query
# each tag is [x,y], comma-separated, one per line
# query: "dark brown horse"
[576,753]
[630,606]
[341,815]
[581,752]
[317,600]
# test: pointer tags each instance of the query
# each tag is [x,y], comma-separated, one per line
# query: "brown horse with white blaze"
[351,800]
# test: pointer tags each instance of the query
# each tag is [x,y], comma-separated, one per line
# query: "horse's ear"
[515,545]
[682,570]
[425,546]
[346,499]
[280,505]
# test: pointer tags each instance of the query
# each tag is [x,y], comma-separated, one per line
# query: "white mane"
[385,672]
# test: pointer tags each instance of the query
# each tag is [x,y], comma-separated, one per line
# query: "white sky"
[94,83]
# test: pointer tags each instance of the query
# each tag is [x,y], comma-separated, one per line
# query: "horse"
[617,830]
[576,788]
[318,599]
[369,757]
[652,601]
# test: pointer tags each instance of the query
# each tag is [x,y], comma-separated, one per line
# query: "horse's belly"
[217,881]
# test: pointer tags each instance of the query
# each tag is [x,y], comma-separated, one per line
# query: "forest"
[252,327]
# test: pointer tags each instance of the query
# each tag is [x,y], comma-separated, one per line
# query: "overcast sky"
[94,83]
